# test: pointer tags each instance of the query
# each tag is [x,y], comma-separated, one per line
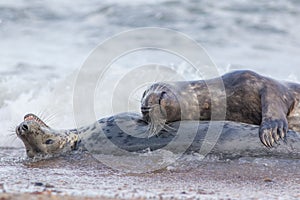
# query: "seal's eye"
[49,141]
[161,97]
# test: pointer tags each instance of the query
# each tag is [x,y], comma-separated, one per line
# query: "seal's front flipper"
[276,103]
[271,130]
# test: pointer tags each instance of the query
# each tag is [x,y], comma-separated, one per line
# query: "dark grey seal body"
[250,98]
[127,131]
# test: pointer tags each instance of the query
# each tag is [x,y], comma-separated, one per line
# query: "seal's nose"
[145,109]
[24,127]
[145,112]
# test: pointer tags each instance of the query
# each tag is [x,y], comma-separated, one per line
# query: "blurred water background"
[43,44]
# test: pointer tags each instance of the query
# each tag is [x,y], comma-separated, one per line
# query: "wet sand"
[44,196]
[80,176]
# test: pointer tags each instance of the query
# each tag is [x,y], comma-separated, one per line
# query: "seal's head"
[40,140]
[158,106]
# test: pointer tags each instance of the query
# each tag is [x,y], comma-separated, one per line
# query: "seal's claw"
[272,130]
[264,137]
[275,135]
[269,139]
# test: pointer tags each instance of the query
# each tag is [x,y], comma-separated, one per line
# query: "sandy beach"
[82,177]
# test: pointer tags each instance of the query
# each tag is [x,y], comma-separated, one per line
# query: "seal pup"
[250,98]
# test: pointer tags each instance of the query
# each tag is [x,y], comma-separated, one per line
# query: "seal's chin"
[154,115]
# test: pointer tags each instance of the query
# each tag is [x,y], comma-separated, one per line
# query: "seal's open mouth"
[33,117]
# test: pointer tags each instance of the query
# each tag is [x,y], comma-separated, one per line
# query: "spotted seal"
[250,98]
[236,138]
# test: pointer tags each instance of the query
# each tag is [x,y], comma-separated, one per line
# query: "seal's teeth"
[33,117]
[28,118]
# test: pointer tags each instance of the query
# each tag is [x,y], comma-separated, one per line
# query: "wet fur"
[250,98]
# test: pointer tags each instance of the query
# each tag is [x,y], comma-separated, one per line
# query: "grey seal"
[250,98]
[236,139]
[255,104]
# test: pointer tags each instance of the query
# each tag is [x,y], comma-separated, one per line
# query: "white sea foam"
[43,45]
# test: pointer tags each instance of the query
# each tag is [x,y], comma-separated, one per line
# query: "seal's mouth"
[33,117]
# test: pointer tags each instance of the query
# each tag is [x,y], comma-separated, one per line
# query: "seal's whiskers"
[157,122]
[12,134]
[49,119]
[169,128]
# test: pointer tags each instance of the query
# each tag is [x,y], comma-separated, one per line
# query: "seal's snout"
[22,128]
[145,109]
[145,112]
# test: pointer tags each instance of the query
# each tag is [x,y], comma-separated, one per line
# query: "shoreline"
[46,196]
[83,177]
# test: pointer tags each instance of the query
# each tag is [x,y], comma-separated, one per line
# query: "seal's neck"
[72,139]
[74,136]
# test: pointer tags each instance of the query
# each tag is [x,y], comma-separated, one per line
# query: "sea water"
[44,45]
